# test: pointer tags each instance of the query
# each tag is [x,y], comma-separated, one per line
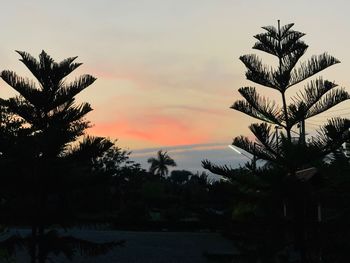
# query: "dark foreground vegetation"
[292,208]
[295,208]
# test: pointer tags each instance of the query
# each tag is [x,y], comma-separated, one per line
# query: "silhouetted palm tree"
[159,165]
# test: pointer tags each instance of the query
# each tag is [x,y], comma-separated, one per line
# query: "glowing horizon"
[167,72]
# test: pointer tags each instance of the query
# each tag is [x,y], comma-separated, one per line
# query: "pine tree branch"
[31,63]
[246,108]
[89,148]
[69,91]
[262,132]
[311,67]
[272,31]
[287,63]
[75,113]
[65,67]
[257,72]
[267,44]
[258,107]
[45,64]
[289,43]
[251,147]
[223,170]
[285,30]
[304,102]
[22,108]
[329,100]
[24,86]
[332,135]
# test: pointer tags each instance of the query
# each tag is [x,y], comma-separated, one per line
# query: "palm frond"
[152,160]
[170,162]
[160,164]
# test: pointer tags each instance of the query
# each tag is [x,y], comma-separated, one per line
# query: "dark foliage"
[266,194]
[40,167]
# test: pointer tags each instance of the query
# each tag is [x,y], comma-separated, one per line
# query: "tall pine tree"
[45,166]
[317,96]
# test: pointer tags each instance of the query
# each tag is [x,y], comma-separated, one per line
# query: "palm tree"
[53,121]
[159,165]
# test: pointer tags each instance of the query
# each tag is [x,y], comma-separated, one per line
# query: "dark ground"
[148,247]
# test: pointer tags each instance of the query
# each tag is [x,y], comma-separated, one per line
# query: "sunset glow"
[167,71]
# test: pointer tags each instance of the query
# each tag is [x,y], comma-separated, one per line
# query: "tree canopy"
[159,164]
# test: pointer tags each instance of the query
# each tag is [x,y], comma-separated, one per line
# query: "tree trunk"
[33,247]
[41,252]
[300,218]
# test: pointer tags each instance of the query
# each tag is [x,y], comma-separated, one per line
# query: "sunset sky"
[168,70]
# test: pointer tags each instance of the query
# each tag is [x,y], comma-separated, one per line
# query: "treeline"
[294,208]
[54,176]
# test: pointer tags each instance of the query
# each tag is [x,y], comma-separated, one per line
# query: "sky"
[168,70]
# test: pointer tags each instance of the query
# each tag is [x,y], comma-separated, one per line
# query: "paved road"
[149,247]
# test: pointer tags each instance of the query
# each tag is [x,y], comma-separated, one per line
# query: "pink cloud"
[158,129]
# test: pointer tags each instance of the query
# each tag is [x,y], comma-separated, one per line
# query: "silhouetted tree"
[53,121]
[119,175]
[318,95]
[180,176]
[159,165]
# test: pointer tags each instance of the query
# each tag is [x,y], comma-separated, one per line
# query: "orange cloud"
[156,129]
